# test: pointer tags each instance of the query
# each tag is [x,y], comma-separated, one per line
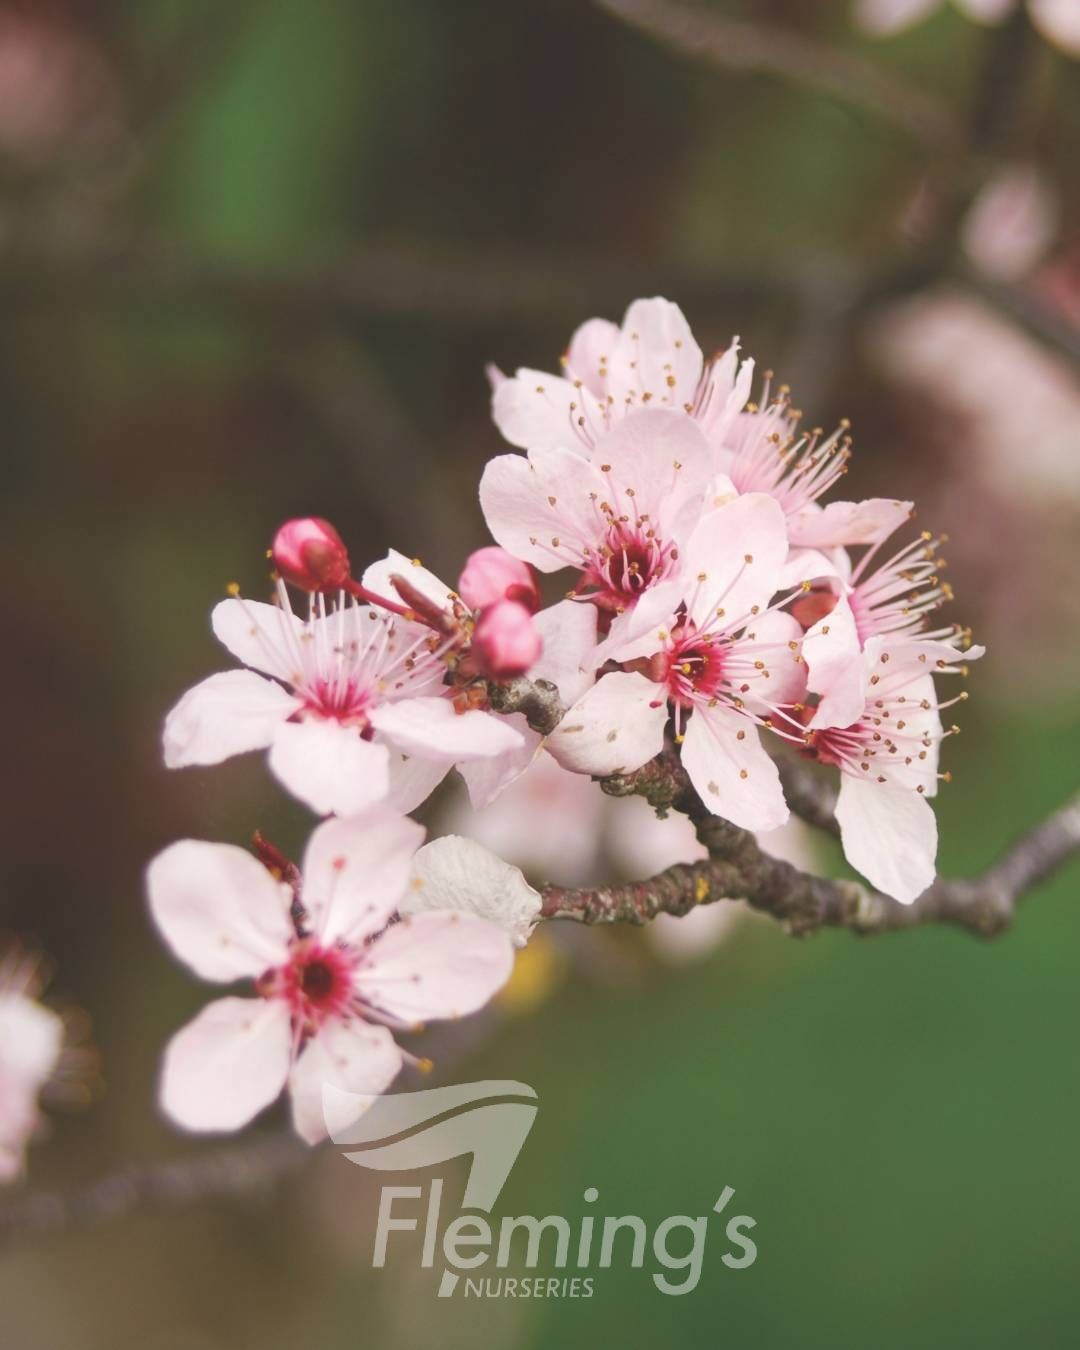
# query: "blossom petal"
[734,777]
[413,779]
[352,1056]
[538,508]
[836,670]
[656,359]
[1059,23]
[227,714]
[845,524]
[616,727]
[663,460]
[436,965]
[227,1064]
[537,411]
[889,834]
[377,579]
[433,728]
[453,873]
[487,778]
[733,559]
[778,636]
[356,871]
[219,909]
[330,767]
[589,352]
[264,637]
[884,18]
[568,632]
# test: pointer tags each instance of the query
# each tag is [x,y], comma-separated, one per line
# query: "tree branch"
[736,45]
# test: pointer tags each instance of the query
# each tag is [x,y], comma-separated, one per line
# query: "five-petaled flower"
[334,969]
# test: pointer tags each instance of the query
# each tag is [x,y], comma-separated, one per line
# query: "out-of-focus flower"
[334,966]
[1057,20]
[652,361]
[1012,222]
[31,1044]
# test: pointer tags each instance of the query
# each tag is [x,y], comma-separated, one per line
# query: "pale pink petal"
[453,873]
[729,382]
[986,11]
[435,966]
[656,360]
[539,412]
[227,1064]
[31,1042]
[664,460]
[413,779]
[889,834]
[778,637]
[568,632]
[540,508]
[645,628]
[810,564]
[225,715]
[329,766]
[261,636]
[377,579]
[589,352]
[835,668]
[616,727]
[846,524]
[219,909]
[487,778]
[433,728]
[356,871]
[733,559]
[883,18]
[1059,22]
[717,760]
[352,1056]
[1014,219]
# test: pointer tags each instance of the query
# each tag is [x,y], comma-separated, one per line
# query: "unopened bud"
[491,574]
[309,553]
[505,641]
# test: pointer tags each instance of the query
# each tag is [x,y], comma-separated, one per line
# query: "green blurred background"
[254,257]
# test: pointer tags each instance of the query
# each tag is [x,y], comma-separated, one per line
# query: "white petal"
[987,11]
[733,559]
[219,909]
[227,1064]
[616,727]
[436,965]
[1059,22]
[413,779]
[262,636]
[351,1056]
[883,18]
[889,834]
[643,630]
[377,579]
[539,509]
[460,874]
[330,767]
[656,355]
[537,411]
[836,669]
[664,458]
[225,715]
[356,871]
[589,352]
[568,632]
[846,524]
[487,778]
[31,1042]
[434,729]
[777,638]
[716,759]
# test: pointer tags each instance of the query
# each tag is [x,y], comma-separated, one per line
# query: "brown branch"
[254,1165]
[737,45]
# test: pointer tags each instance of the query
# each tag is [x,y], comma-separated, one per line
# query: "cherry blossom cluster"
[710,600]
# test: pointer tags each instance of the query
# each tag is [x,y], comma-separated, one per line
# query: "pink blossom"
[491,574]
[1057,20]
[888,760]
[355,710]
[713,647]
[31,1043]
[505,641]
[617,518]
[331,980]
[651,361]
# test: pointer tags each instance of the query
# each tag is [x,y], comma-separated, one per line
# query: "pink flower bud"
[309,553]
[505,641]
[492,574]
